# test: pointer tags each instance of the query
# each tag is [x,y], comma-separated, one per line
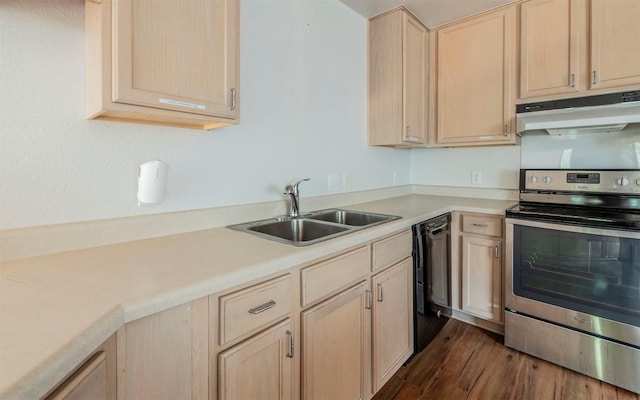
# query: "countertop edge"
[39,381]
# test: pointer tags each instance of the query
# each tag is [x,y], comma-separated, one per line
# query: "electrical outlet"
[476,177]
[346,181]
[333,182]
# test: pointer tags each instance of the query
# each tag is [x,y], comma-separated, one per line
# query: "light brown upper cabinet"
[615,43]
[169,62]
[567,47]
[549,34]
[397,80]
[476,80]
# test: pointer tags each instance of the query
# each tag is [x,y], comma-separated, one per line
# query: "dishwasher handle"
[442,229]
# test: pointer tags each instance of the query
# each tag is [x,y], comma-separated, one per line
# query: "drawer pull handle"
[380,294]
[291,344]
[481,225]
[262,308]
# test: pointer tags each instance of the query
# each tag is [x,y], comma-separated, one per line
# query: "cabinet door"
[165,355]
[94,380]
[476,80]
[397,80]
[549,47]
[415,74]
[482,277]
[260,367]
[176,55]
[615,43]
[333,346]
[392,321]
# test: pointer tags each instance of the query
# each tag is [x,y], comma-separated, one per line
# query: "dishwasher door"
[432,291]
[439,269]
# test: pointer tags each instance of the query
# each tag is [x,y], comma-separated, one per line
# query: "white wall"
[303,78]
[452,167]
[595,150]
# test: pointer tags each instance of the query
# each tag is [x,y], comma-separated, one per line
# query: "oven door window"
[598,275]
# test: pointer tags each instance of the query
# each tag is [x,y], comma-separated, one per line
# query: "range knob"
[547,180]
[638,181]
[622,181]
[534,179]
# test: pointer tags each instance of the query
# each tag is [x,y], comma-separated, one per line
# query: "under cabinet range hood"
[602,113]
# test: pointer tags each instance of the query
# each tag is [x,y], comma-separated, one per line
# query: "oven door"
[580,277]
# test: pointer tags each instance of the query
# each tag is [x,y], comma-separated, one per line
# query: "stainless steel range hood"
[603,113]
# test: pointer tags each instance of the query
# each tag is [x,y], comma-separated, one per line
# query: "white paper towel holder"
[152,182]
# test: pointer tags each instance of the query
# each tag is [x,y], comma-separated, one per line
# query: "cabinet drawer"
[482,224]
[328,276]
[255,307]
[391,250]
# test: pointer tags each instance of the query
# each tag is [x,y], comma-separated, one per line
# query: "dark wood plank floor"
[466,362]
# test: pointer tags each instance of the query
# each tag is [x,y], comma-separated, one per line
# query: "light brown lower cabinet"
[334,337]
[260,367]
[354,320]
[392,321]
[482,277]
[165,355]
[95,379]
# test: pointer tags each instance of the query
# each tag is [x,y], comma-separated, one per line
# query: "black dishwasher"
[432,279]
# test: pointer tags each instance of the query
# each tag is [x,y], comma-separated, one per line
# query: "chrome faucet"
[294,192]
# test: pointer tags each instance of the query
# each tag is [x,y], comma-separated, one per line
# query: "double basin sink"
[314,227]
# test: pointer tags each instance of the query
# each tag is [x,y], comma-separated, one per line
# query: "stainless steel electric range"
[572,275]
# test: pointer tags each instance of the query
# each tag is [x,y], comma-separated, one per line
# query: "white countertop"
[56,309]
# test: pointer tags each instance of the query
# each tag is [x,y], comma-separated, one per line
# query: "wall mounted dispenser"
[152,182]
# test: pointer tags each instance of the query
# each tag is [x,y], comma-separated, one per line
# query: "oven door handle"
[556,226]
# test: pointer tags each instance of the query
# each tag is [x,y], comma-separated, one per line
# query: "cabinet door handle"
[506,130]
[233,99]
[380,293]
[369,300]
[573,80]
[291,351]
[481,225]
[262,308]
[496,250]
[595,77]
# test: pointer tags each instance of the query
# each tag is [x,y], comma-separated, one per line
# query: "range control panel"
[592,181]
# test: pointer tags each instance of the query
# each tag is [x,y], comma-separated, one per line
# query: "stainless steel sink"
[313,227]
[351,218]
[298,230]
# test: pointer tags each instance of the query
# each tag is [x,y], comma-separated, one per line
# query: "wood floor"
[466,362]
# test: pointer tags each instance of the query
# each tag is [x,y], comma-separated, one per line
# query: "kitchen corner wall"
[303,114]
[498,166]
